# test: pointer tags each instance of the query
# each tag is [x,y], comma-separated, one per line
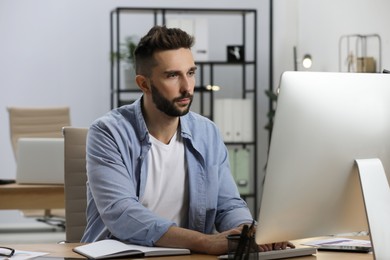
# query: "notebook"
[109,249]
[40,161]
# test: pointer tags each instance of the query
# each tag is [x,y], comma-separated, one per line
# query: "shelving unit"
[354,54]
[214,69]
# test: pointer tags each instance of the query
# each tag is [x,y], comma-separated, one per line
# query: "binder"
[222,117]
[246,125]
[234,117]
[240,168]
[197,27]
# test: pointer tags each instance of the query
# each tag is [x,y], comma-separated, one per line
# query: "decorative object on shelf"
[235,53]
[356,55]
[365,64]
[126,54]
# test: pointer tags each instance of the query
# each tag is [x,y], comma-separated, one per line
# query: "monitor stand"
[376,196]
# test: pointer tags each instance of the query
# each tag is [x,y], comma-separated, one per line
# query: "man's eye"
[191,73]
[172,75]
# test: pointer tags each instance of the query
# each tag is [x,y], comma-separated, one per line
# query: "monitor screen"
[323,122]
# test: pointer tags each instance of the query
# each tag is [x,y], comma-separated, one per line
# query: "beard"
[168,106]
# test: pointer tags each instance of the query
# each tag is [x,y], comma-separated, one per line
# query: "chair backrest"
[75,182]
[36,122]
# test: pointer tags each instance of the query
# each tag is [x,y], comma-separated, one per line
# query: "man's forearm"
[183,238]
[214,244]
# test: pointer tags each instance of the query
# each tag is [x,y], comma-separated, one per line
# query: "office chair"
[75,182]
[38,122]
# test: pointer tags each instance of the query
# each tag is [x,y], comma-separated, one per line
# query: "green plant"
[126,51]
[273,97]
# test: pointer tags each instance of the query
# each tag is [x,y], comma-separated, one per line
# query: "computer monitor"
[323,122]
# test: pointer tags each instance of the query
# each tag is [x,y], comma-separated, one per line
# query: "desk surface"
[65,250]
[23,196]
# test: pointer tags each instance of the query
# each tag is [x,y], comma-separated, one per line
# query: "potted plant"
[126,54]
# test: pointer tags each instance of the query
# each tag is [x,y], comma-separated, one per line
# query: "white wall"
[321,25]
[56,53]
[315,27]
[285,36]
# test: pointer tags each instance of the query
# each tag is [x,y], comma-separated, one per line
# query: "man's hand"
[270,247]
[212,244]
[217,244]
[276,246]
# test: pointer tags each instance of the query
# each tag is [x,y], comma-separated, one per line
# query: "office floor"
[17,229]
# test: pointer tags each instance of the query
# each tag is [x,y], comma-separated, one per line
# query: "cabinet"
[225,53]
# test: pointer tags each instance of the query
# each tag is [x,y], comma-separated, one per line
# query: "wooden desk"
[65,250]
[22,196]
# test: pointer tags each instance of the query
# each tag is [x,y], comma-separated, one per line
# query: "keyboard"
[286,253]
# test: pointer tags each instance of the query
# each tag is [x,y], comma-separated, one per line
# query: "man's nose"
[186,83]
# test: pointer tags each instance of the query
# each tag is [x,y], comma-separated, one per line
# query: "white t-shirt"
[166,191]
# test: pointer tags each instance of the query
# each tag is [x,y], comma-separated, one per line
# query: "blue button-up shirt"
[117,148]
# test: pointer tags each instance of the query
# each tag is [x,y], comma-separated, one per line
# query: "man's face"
[173,80]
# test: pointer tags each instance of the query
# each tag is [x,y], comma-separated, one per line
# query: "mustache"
[185,95]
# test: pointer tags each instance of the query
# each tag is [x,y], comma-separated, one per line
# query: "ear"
[143,83]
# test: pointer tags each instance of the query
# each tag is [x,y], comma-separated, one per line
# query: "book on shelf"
[109,248]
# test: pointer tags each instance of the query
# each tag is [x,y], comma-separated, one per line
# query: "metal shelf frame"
[158,16]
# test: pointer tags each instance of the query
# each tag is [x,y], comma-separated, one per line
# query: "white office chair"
[75,183]
[38,122]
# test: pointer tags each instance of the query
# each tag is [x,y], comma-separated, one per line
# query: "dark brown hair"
[159,38]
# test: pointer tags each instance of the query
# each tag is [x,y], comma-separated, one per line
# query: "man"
[158,174]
